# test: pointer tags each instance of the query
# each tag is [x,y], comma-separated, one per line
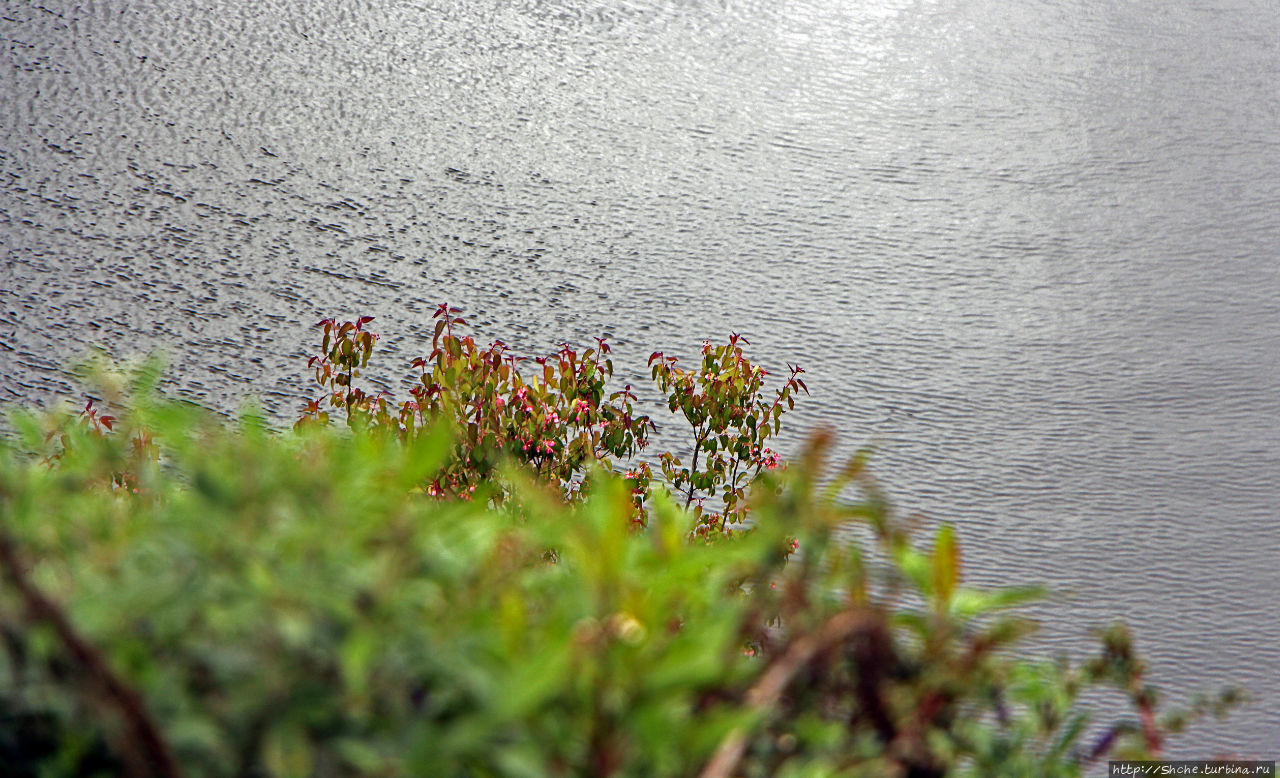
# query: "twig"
[142,746]
[773,682]
[1147,718]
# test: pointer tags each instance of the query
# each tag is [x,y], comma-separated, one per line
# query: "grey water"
[1029,249]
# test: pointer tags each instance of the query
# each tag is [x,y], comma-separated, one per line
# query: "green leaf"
[969,603]
[915,566]
[356,658]
[946,565]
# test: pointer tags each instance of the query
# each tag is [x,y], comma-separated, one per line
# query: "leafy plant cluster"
[560,418]
[226,600]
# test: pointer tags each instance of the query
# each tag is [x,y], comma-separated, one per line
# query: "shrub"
[562,421]
[254,603]
[724,403]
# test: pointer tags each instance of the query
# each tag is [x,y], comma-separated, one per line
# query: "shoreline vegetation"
[496,577]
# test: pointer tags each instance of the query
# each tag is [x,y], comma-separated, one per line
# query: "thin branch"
[773,682]
[1147,718]
[693,467]
[142,744]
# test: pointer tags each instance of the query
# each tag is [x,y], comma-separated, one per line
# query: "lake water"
[1031,249]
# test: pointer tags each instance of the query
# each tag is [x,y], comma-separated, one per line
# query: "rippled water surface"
[1030,248]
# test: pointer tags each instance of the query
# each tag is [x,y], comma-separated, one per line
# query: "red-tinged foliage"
[725,402]
[561,420]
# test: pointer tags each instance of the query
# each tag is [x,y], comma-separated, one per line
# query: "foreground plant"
[295,605]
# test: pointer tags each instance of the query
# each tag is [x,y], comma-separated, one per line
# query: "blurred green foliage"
[184,595]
